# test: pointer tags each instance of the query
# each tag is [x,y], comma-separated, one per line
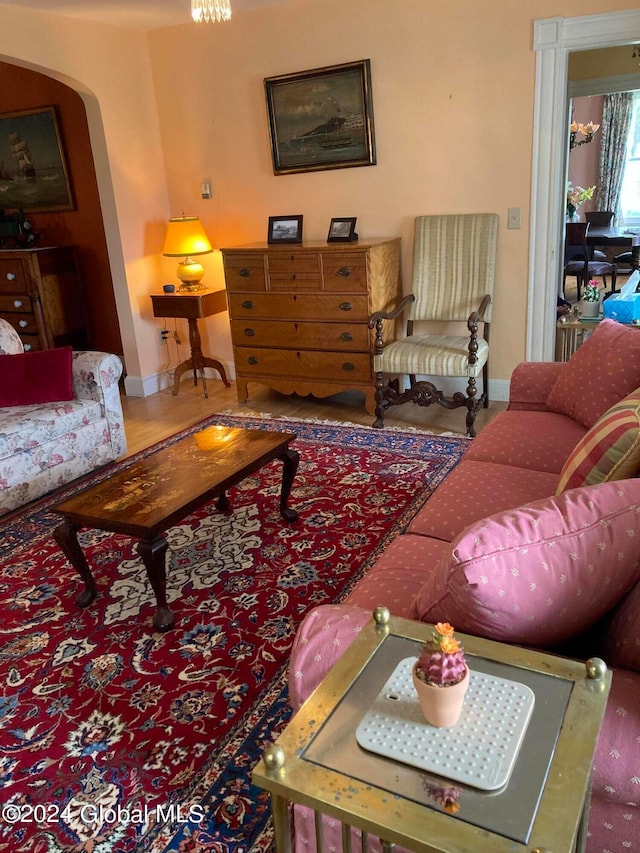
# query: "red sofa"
[533,539]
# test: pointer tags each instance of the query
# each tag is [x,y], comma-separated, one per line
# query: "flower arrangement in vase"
[590,302]
[441,677]
[575,197]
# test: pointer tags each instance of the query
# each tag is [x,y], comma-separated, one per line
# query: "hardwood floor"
[150,419]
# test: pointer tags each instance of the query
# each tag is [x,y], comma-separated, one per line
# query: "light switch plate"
[513,217]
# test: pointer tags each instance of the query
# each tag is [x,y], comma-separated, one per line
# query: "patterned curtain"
[616,120]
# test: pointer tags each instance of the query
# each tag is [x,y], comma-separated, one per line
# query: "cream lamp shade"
[185,238]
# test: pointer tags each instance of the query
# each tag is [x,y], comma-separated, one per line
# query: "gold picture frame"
[33,168]
[322,118]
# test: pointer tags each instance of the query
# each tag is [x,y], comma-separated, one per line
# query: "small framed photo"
[342,230]
[285,229]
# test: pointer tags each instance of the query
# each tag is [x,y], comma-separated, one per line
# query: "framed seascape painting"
[322,118]
[33,171]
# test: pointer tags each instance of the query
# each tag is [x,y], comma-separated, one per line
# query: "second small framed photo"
[342,230]
[285,229]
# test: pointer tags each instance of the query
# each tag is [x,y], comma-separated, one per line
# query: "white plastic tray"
[480,750]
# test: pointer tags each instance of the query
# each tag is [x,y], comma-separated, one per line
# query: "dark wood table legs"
[290,459]
[197,362]
[153,553]
[66,535]
[104,508]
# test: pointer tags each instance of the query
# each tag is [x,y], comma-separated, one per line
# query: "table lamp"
[185,238]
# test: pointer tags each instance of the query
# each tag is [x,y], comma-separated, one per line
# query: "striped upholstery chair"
[453,273]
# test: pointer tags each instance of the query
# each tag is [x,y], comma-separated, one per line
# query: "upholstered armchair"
[452,283]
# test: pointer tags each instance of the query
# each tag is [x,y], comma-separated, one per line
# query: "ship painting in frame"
[322,118]
[33,170]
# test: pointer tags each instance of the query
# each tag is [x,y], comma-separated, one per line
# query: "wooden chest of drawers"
[299,313]
[41,296]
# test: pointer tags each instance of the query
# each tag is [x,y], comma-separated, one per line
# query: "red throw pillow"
[600,373]
[28,378]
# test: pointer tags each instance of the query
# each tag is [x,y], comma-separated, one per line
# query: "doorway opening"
[554,40]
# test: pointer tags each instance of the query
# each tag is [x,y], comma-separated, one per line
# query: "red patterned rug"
[117,738]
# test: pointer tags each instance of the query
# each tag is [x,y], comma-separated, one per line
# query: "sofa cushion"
[475,490]
[600,373]
[29,378]
[542,573]
[540,441]
[622,643]
[324,635]
[615,764]
[609,451]
[24,429]
[398,574]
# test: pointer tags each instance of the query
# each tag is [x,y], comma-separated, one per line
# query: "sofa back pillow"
[600,373]
[542,573]
[43,376]
[609,451]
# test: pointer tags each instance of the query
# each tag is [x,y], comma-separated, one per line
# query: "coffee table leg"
[66,535]
[290,459]
[223,504]
[153,553]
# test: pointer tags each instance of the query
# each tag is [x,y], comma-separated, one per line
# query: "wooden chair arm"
[478,316]
[379,316]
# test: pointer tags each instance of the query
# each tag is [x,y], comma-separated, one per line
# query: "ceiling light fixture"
[210,10]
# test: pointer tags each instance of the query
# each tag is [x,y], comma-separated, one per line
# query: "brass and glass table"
[543,806]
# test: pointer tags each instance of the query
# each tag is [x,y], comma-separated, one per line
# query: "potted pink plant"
[441,677]
[590,302]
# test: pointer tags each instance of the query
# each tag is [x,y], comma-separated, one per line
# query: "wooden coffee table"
[150,496]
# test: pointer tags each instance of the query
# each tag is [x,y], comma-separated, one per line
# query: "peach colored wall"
[110,68]
[584,160]
[453,88]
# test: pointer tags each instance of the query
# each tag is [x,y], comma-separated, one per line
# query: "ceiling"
[136,14]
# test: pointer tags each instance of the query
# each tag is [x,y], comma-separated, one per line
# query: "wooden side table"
[190,307]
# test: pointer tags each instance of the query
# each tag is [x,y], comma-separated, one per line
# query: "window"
[630,194]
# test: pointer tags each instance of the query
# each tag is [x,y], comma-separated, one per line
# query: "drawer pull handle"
[248,304]
[293,276]
[252,359]
[27,347]
[23,324]
[244,272]
[346,336]
[344,272]
[346,306]
[250,333]
[17,303]
[348,366]
[11,276]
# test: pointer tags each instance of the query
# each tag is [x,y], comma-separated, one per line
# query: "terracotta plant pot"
[441,706]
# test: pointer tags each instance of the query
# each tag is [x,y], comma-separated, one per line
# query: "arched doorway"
[83,226]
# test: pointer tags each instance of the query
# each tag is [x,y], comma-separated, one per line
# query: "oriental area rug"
[116,738]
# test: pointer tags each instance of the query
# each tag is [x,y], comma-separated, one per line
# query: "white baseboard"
[145,386]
